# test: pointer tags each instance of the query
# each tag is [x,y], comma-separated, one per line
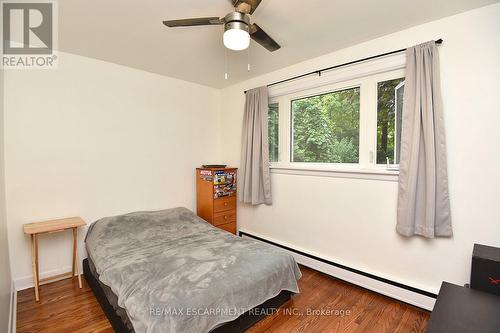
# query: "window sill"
[336,171]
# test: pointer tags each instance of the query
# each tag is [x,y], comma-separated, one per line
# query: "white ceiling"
[131,33]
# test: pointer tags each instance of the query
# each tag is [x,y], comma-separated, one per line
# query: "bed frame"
[240,324]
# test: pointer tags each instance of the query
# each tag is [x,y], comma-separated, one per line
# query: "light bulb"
[236,39]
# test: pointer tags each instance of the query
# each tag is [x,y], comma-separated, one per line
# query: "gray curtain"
[253,177]
[423,199]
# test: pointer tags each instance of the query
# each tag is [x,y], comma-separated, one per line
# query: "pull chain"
[248,59]
[226,76]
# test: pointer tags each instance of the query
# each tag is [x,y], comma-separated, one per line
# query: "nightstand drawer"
[225,217]
[229,227]
[223,204]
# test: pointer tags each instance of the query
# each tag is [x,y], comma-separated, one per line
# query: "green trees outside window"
[326,127]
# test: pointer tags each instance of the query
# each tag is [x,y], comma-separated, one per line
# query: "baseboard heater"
[402,292]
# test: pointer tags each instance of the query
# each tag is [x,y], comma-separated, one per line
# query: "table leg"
[74,254]
[37,261]
[75,257]
[34,255]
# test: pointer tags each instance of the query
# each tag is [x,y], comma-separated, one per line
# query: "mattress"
[149,263]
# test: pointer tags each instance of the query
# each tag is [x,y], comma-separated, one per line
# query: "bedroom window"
[326,127]
[342,123]
[389,120]
[273,130]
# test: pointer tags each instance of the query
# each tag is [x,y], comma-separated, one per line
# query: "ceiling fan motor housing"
[236,20]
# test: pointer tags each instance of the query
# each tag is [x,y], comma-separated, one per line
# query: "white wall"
[5,277]
[95,139]
[352,221]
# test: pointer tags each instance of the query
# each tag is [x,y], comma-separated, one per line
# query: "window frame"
[270,102]
[397,153]
[367,164]
[383,165]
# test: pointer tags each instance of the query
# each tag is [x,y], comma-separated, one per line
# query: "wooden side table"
[37,228]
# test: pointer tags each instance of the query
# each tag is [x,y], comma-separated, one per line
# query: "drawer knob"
[225,217]
[225,203]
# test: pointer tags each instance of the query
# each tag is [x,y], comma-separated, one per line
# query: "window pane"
[326,128]
[389,119]
[273,131]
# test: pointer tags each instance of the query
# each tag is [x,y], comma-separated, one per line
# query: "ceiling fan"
[237,27]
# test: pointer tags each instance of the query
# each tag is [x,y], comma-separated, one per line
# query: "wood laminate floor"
[325,304]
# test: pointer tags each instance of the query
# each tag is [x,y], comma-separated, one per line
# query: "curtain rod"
[319,71]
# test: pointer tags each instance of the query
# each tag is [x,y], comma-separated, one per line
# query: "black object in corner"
[485,272]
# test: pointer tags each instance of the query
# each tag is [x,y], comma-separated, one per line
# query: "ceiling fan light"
[236,36]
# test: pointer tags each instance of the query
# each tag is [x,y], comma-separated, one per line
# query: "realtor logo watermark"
[29,34]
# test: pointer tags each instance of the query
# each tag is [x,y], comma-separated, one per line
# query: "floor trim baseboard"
[402,292]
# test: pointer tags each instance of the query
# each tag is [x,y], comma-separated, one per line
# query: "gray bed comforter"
[174,272]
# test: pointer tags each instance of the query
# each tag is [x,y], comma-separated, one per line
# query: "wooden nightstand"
[37,228]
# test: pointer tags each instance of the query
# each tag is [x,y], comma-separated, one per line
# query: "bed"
[170,271]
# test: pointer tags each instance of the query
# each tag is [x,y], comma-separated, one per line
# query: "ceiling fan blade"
[193,22]
[261,37]
[252,3]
